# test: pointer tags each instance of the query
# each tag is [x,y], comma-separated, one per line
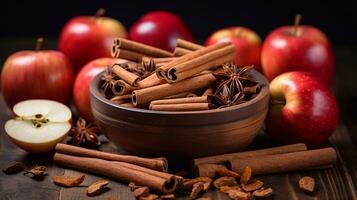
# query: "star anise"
[84,134]
[108,82]
[230,90]
[145,69]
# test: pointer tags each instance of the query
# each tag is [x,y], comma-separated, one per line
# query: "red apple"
[86,38]
[160,29]
[298,48]
[81,96]
[302,109]
[37,75]
[248,44]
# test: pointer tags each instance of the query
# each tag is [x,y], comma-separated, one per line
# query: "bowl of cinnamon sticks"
[188,103]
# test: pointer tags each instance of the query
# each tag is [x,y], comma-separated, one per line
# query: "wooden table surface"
[338,182]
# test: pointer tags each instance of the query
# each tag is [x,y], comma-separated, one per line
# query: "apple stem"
[297,23]
[277,102]
[39,44]
[100,12]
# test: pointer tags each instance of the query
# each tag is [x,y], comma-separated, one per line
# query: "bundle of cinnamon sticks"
[162,80]
[267,161]
[142,171]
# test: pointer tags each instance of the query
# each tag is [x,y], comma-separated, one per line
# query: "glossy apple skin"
[303,109]
[37,75]
[248,44]
[86,38]
[308,51]
[160,29]
[81,95]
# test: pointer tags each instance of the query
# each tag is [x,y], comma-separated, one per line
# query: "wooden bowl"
[184,134]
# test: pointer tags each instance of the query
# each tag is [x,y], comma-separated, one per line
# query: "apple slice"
[39,124]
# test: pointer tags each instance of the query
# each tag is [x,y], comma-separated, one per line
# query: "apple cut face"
[39,124]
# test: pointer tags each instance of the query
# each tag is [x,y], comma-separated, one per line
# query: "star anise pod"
[230,90]
[108,82]
[145,69]
[84,134]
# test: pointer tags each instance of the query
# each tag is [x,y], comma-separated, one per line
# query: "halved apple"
[39,124]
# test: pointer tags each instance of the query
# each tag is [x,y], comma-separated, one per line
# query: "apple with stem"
[302,109]
[39,74]
[298,48]
[160,29]
[39,125]
[248,44]
[81,95]
[85,38]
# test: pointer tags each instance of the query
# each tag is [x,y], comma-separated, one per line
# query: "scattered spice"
[133,186]
[236,194]
[188,183]
[226,189]
[256,185]
[142,191]
[68,181]
[38,172]
[246,175]
[225,181]
[13,169]
[223,171]
[84,134]
[307,184]
[196,189]
[97,187]
[263,192]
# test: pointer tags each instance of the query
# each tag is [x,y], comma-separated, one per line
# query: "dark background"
[22,21]
[33,18]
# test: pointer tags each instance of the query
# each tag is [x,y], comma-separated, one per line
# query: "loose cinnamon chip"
[97,188]
[37,172]
[236,194]
[149,197]
[188,183]
[13,169]
[133,186]
[246,174]
[225,181]
[223,171]
[143,191]
[196,189]
[256,185]
[226,189]
[307,184]
[68,181]
[167,197]
[263,192]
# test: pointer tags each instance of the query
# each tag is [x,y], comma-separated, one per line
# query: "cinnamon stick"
[181,51]
[286,162]
[119,171]
[252,89]
[151,51]
[121,99]
[187,45]
[202,99]
[195,66]
[128,105]
[146,95]
[159,164]
[207,170]
[208,91]
[157,62]
[180,107]
[121,88]
[128,55]
[162,71]
[127,76]
[269,151]
[150,81]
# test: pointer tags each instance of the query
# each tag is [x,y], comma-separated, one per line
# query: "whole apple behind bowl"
[85,38]
[298,48]
[248,44]
[81,96]
[160,29]
[302,109]
[37,75]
